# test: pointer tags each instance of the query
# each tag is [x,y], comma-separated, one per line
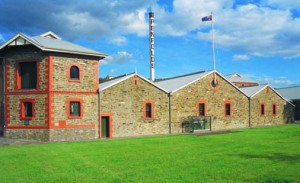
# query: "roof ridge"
[117,77]
[287,87]
[164,79]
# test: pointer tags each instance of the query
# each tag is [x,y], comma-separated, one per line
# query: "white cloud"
[241,57]
[134,22]
[186,15]
[254,29]
[285,4]
[121,57]
[118,40]
[257,31]
[266,28]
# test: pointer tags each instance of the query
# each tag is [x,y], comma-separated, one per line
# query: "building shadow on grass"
[274,157]
[219,132]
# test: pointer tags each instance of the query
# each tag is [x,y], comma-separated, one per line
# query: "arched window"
[74,73]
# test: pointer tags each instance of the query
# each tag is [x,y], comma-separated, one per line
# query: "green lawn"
[270,154]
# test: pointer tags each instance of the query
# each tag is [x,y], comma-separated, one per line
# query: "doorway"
[106,126]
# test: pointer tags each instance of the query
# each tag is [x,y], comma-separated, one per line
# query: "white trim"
[50,33]
[129,76]
[258,91]
[35,43]
[231,83]
[152,83]
[114,83]
[183,86]
[267,85]
[281,96]
[16,37]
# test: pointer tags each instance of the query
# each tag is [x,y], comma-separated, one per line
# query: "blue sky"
[259,39]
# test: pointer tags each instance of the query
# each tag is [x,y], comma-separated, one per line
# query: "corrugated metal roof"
[64,46]
[291,93]
[176,83]
[106,84]
[116,80]
[49,43]
[253,90]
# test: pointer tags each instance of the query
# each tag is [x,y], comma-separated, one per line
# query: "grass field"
[270,154]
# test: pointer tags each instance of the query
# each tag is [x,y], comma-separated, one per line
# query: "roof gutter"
[73,52]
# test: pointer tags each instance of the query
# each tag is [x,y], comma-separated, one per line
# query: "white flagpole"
[213,46]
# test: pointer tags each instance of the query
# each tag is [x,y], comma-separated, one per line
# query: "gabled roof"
[291,93]
[51,42]
[251,91]
[109,83]
[176,83]
[237,78]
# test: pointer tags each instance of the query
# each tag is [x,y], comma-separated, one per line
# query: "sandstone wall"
[284,110]
[88,74]
[71,134]
[184,104]
[125,102]
[54,88]
[34,134]
[13,108]
[11,58]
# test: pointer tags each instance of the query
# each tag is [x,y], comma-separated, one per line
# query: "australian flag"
[207,18]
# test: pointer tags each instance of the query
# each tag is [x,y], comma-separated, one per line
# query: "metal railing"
[197,123]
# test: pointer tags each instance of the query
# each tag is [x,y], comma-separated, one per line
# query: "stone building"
[293,95]
[197,95]
[131,105]
[267,106]
[50,89]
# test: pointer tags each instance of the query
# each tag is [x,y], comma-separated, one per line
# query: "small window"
[262,109]
[274,111]
[27,75]
[228,108]
[148,110]
[74,73]
[74,108]
[27,109]
[201,108]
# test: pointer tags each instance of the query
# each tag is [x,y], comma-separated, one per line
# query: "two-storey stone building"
[50,88]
